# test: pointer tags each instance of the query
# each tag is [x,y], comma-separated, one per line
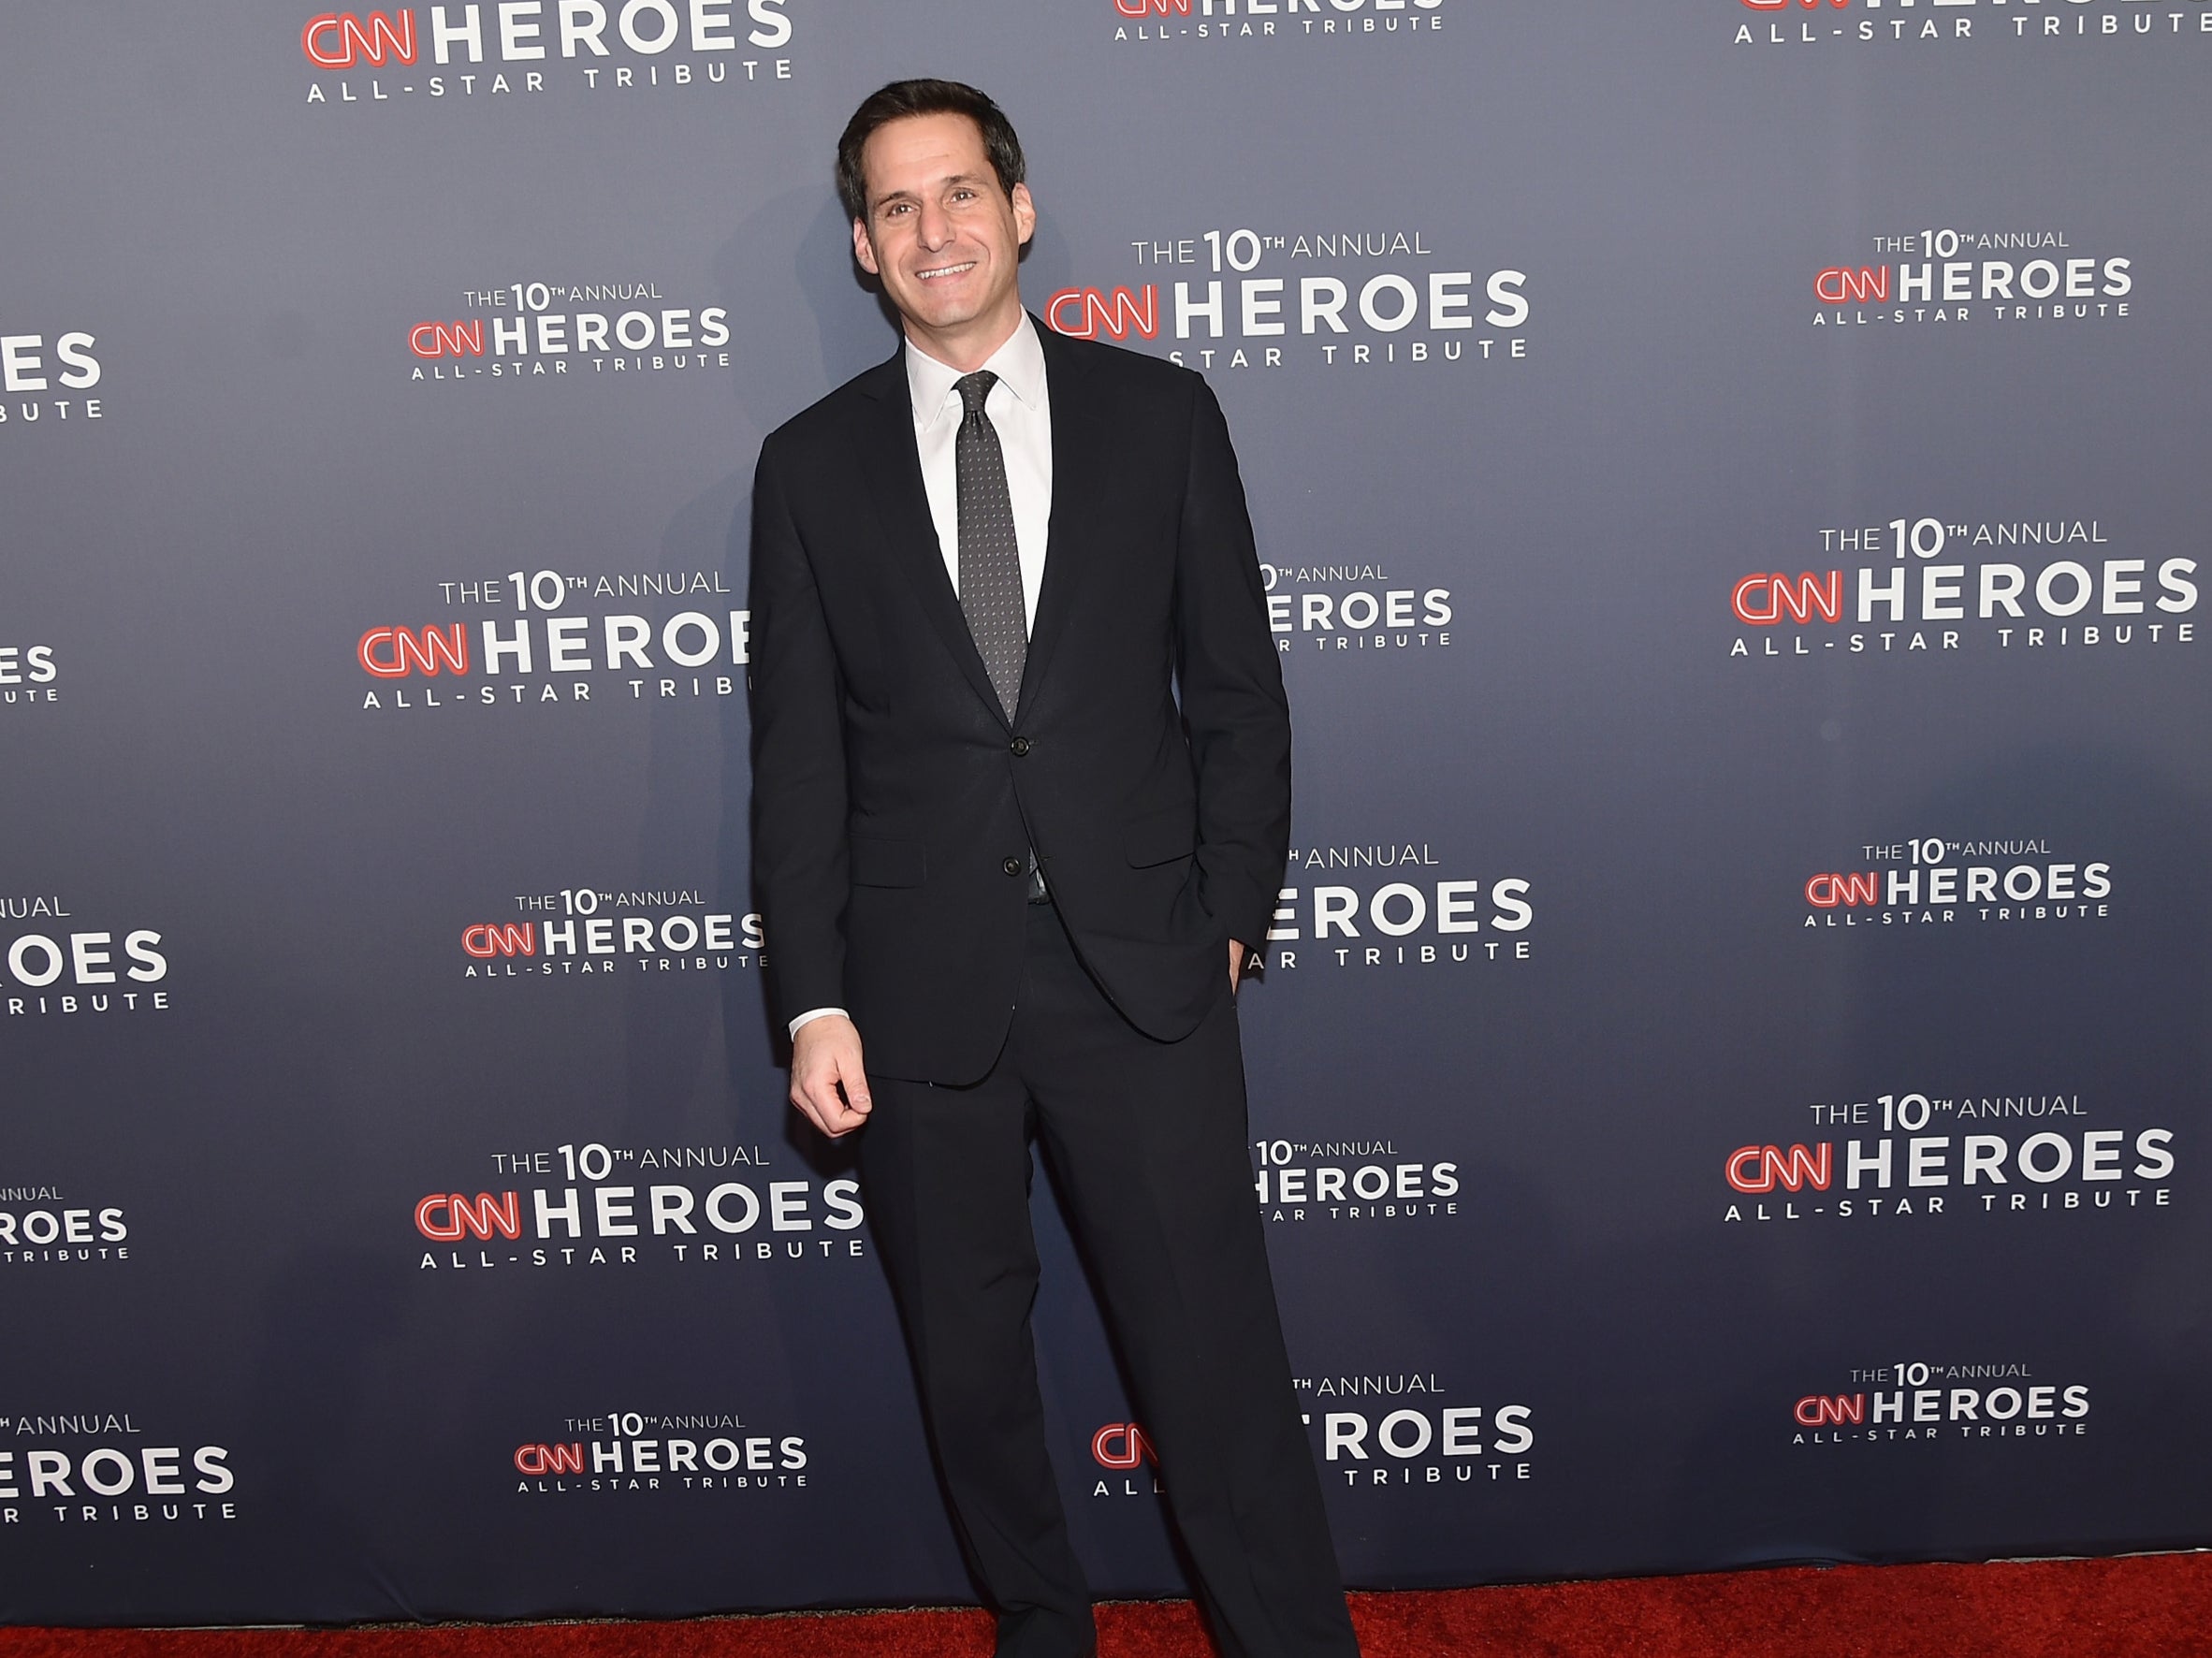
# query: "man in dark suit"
[1022,793]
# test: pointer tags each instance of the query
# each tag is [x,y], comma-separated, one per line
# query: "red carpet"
[2155,1605]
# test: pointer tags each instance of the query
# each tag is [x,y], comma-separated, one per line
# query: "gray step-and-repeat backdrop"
[1730,1073]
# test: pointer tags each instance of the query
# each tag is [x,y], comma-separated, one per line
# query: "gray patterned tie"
[990,563]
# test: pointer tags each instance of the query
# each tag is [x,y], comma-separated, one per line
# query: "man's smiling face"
[942,233]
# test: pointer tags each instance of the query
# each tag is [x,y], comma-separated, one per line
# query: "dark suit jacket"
[894,804]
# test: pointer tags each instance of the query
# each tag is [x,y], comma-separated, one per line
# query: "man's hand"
[1236,965]
[827,1082]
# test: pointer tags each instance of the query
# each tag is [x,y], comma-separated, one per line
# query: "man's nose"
[935,227]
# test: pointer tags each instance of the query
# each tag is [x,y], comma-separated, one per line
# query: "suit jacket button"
[1012,866]
[1021,745]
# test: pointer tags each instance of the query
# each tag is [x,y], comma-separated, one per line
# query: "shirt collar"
[1019,363]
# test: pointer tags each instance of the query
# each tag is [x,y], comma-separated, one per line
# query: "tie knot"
[973,388]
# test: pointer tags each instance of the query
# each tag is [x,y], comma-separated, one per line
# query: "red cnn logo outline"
[1831,1412]
[1849,892]
[372,41]
[1838,284]
[1134,1447]
[1800,1167]
[549,1458]
[393,654]
[1094,313]
[462,338]
[1807,596]
[488,939]
[480,1219]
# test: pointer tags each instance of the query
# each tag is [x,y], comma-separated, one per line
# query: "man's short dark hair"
[903,99]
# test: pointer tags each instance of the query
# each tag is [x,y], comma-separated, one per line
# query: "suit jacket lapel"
[892,466]
[1083,449]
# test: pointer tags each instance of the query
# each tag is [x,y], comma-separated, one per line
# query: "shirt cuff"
[813,1014]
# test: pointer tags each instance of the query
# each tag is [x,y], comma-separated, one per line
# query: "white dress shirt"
[1019,410]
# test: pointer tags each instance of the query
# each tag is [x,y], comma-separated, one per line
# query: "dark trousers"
[1148,1141]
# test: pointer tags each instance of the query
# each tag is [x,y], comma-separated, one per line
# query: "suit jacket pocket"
[1161,837]
[881,862]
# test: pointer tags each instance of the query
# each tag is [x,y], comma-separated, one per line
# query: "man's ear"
[1025,213]
[863,249]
